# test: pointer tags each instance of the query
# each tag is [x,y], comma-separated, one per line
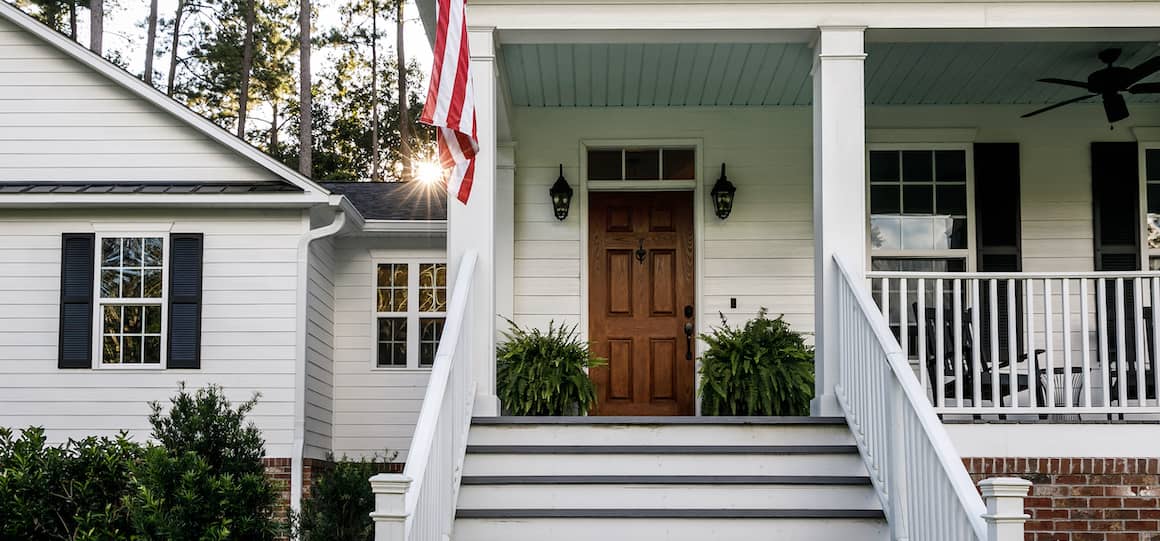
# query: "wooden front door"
[640,298]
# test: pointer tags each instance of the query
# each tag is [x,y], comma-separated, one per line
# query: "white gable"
[61,119]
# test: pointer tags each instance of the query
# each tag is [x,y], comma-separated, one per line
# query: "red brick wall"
[1084,499]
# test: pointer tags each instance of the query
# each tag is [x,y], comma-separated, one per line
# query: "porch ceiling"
[741,74]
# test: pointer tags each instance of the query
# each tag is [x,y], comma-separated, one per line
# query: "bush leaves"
[543,373]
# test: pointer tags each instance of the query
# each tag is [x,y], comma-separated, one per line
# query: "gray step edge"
[654,420]
[829,480]
[670,513]
[662,449]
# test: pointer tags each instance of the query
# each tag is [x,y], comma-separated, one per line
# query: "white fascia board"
[425,227]
[354,218]
[159,99]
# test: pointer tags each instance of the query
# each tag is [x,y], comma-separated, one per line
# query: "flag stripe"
[450,102]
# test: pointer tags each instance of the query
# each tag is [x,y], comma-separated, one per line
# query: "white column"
[839,189]
[1004,499]
[390,514]
[473,227]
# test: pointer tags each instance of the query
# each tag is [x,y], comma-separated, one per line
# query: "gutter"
[298,459]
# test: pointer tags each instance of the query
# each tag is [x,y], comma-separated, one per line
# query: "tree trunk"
[96,25]
[305,113]
[151,42]
[247,67]
[376,174]
[273,149]
[404,103]
[72,20]
[173,49]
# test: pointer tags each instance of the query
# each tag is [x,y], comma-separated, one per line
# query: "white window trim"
[1146,253]
[968,254]
[98,313]
[412,314]
[640,185]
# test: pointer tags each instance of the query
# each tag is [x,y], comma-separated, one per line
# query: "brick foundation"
[1084,499]
[278,470]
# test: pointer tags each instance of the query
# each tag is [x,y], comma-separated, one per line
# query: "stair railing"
[924,488]
[419,504]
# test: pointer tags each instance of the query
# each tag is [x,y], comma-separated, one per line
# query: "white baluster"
[903,323]
[1065,306]
[993,319]
[939,346]
[976,348]
[920,321]
[1049,367]
[1013,342]
[1029,339]
[1155,341]
[1085,342]
[957,320]
[1140,347]
[1102,333]
[1121,355]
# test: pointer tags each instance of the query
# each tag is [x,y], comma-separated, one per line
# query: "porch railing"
[924,488]
[1028,343]
[419,504]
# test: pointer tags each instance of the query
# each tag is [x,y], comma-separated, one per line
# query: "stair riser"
[667,497]
[662,464]
[670,529]
[660,435]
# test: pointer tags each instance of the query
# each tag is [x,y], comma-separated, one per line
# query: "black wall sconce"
[561,194]
[723,192]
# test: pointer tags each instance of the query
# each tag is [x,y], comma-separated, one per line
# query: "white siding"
[320,349]
[61,121]
[374,408]
[248,324]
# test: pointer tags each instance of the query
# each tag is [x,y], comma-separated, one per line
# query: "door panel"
[641,270]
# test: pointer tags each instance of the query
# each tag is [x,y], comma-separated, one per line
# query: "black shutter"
[75,349]
[998,242]
[1116,230]
[185,262]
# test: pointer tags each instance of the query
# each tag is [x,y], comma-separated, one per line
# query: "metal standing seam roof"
[146,187]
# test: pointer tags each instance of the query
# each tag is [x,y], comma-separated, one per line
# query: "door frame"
[697,186]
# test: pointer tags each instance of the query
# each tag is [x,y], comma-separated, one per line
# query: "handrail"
[1013,275]
[924,488]
[438,445]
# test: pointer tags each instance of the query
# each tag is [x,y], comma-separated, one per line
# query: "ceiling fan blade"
[1077,84]
[1145,88]
[1146,68]
[1060,104]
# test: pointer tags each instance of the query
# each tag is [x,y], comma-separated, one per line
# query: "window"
[676,163]
[410,308]
[1152,187]
[130,300]
[918,209]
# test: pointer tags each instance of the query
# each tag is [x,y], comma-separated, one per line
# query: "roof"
[155,97]
[394,201]
[150,187]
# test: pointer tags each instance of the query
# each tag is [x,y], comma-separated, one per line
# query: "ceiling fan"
[1108,83]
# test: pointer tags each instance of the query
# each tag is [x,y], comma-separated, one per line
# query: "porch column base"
[826,405]
[486,405]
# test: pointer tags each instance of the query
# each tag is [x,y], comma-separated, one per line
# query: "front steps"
[606,479]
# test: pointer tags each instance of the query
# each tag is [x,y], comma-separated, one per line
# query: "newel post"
[1004,499]
[390,514]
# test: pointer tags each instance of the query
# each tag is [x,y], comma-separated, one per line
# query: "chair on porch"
[1131,382]
[946,359]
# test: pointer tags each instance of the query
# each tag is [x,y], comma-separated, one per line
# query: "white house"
[979,285]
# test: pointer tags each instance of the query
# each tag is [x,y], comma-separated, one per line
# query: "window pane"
[131,253]
[110,252]
[152,352]
[431,331]
[112,320]
[918,200]
[130,283]
[884,199]
[604,164]
[916,166]
[917,233]
[642,164]
[1153,230]
[132,321]
[886,232]
[110,284]
[153,319]
[153,283]
[952,200]
[958,234]
[1152,163]
[153,252]
[398,300]
[432,287]
[392,275]
[132,352]
[679,164]
[950,165]
[392,341]
[884,166]
[111,350]
[383,303]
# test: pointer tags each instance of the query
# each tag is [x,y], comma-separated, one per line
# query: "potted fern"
[544,373]
[762,368]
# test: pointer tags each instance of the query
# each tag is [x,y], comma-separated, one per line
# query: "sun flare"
[428,172]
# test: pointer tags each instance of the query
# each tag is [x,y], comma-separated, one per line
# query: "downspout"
[298,459]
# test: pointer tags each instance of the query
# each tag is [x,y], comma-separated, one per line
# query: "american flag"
[450,103]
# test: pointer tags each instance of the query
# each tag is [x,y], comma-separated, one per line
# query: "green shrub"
[205,480]
[340,502]
[72,491]
[763,368]
[541,373]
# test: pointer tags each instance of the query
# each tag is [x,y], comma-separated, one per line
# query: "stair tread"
[663,449]
[642,420]
[668,513]
[665,480]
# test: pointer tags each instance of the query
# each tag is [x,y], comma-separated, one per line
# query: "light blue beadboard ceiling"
[746,74]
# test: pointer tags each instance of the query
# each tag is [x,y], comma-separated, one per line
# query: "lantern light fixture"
[561,194]
[723,192]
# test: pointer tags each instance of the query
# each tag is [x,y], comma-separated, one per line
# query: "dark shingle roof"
[394,200]
[147,187]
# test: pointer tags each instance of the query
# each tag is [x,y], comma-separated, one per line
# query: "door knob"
[689,341]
